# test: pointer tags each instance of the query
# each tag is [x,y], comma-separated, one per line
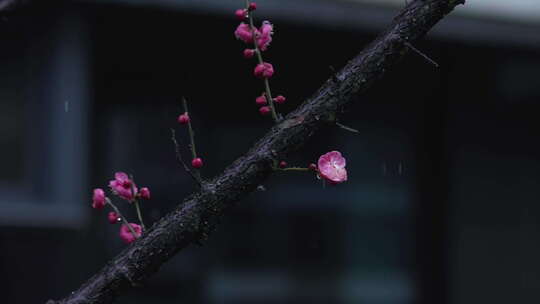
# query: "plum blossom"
[127,236]
[332,167]
[264,36]
[264,70]
[98,199]
[243,32]
[122,186]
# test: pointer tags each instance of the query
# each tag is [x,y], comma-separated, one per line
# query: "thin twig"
[121,217]
[344,127]
[409,45]
[136,202]
[181,160]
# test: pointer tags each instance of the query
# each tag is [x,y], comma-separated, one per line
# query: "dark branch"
[195,218]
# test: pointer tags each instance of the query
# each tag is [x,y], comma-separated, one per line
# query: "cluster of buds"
[125,188]
[330,168]
[260,39]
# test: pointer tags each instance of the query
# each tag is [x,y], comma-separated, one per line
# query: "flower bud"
[241,14]
[280,99]
[145,193]
[183,119]
[264,110]
[249,53]
[264,70]
[261,100]
[197,163]
[113,217]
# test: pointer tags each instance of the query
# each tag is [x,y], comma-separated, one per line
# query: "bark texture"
[195,217]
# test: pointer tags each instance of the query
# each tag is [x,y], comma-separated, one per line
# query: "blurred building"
[442,202]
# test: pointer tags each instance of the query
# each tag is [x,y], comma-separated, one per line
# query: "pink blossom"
[183,118]
[249,53]
[122,186]
[197,163]
[113,217]
[244,33]
[145,193]
[241,14]
[127,236]
[282,164]
[264,36]
[264,110]
[332,167]
[261,100]
[280,99]
[264,70]
[98,200]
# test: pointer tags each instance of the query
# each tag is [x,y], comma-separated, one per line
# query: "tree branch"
[195,218]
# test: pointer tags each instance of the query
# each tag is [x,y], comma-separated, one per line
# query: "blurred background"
[442,204]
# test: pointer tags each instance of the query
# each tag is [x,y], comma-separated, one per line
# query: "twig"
[421,54]
[344,127]
[181,160]
[136,202]
[269,98]
[121,217]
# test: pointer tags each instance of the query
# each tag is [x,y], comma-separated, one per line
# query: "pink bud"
[241,14]
[252,6]
[249,53]
[113,217]
[264,70]
[145,193]
[280,99]
[264,110]
[261,100]
[98,200]
[183,119]
[127,236]
[312,167]
[197,163]
[282,164]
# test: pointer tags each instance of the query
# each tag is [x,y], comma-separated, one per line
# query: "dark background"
[442,202]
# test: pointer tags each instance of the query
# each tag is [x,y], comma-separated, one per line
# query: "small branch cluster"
[331,168]
[124,187]
[260,38]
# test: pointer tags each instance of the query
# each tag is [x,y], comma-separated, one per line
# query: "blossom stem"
[269,98]
[121,217]
[191,140]
[136,202]
[294,169]
[190,130]
[139,215]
